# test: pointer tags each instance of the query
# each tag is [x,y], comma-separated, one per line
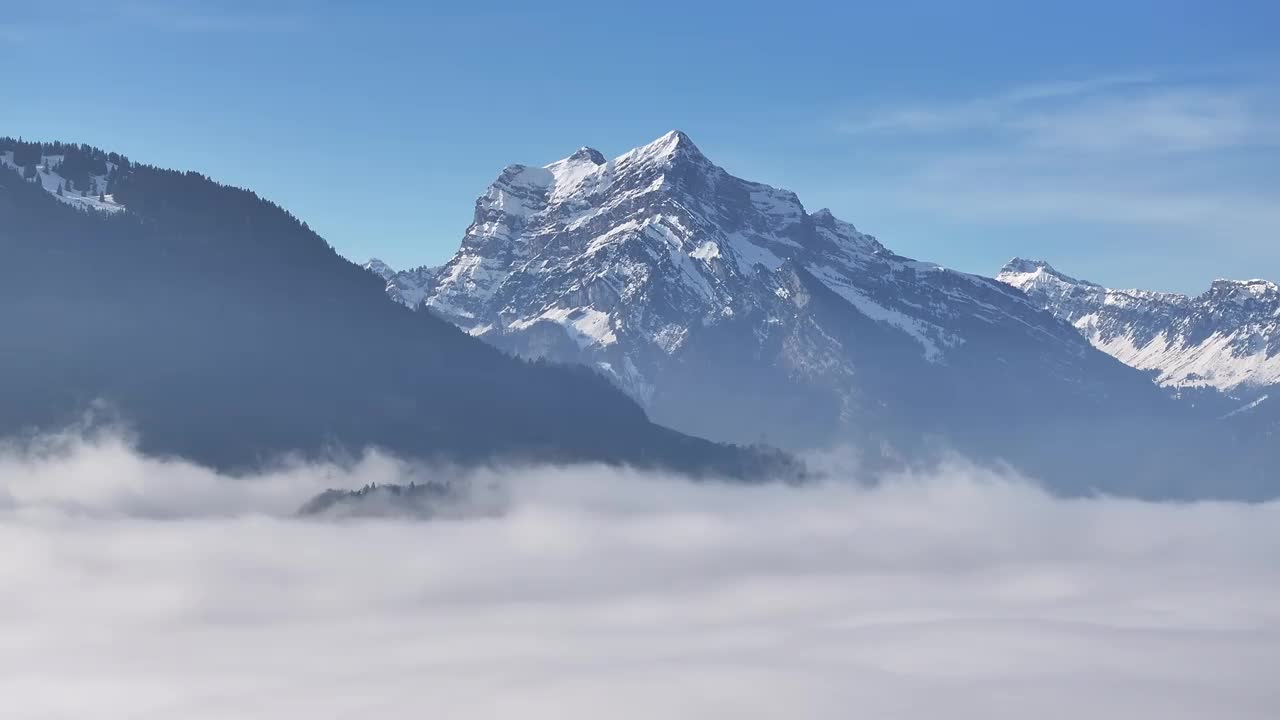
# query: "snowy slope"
[729,310]
[1227,338]
[90,197]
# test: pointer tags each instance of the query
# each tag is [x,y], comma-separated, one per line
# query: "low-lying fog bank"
[136,588]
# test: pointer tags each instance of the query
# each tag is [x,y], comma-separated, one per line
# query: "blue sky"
[1133,143]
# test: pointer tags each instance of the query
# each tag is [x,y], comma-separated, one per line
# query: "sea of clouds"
[138,588]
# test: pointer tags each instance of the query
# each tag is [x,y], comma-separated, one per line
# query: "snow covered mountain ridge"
[1227,338]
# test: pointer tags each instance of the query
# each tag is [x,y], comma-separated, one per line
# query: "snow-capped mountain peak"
[674,146]
[379,268]
[588,154]
[1245,291]
[1023,273]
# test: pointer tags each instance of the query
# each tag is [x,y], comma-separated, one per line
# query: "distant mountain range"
[220,328]
[1227,339]
[730,311]
[1219,350]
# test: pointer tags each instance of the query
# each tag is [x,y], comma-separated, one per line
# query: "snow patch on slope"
[587,326]
[918,330]
[1247,407]
[1213,363]
[91,198]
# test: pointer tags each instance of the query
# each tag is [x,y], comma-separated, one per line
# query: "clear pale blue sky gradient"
[1133,143]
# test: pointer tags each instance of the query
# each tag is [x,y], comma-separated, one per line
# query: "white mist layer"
[140,589]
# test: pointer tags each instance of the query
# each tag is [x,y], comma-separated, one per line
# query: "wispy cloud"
[1168,162]
[1153,217]
[1163,120]
[988,112]
[1123,112]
